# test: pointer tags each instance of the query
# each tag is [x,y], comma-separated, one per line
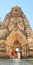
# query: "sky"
[26,6]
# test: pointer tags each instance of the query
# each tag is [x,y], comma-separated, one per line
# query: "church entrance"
[17,49]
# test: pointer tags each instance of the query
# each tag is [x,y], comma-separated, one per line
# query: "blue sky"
[26,6]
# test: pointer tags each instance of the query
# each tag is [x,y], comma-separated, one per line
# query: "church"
[16,35]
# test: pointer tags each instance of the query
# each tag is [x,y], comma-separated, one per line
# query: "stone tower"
[15,32]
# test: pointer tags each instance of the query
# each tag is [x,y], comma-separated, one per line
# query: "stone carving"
[16,27]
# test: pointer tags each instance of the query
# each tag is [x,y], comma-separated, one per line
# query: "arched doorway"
[17,49]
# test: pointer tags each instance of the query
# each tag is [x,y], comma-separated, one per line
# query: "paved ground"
[14,62]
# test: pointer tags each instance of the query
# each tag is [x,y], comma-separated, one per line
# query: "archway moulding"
[10,40]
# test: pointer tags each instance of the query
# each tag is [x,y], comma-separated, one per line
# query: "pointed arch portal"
[17,44]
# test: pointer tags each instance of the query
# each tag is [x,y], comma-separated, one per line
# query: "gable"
[16,35]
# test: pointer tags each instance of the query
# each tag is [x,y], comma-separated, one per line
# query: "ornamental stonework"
[15,32]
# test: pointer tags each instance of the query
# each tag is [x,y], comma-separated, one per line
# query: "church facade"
[16,35]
